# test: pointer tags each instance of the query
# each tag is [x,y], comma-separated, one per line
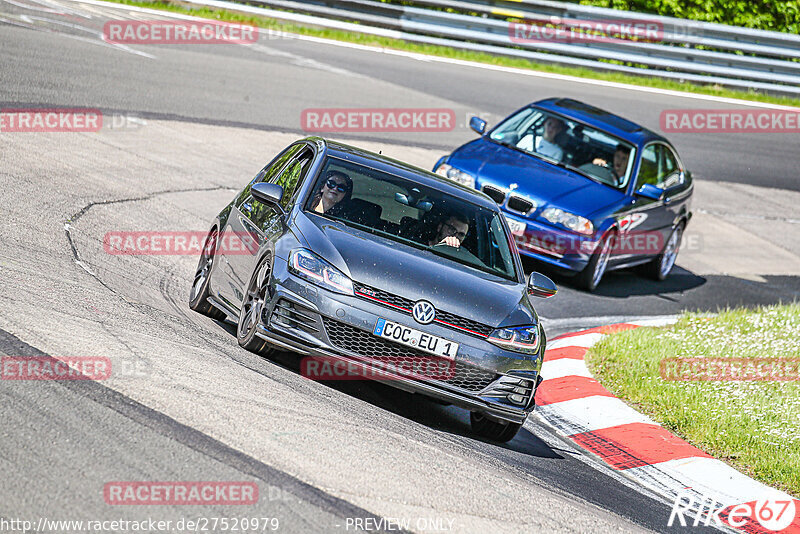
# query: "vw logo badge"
[424,312]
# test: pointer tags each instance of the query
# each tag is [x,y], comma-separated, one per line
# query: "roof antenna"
[380,152]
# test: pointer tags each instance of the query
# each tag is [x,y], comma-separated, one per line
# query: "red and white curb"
[580,408]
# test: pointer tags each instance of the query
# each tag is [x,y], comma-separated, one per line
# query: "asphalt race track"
[190,404]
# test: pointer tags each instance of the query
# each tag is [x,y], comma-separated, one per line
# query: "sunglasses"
[333,185]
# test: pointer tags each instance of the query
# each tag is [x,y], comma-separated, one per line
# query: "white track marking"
[53,8]
[564,367]
[301,61]
[593,413]
[99,41]
[583,340]
[35,8]
[99,35]
[712,478]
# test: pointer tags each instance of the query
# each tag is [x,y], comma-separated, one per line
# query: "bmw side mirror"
[541,286]
[650,191]
[267,193]
[477,124]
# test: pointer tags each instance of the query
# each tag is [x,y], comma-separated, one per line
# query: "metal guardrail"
[727,55]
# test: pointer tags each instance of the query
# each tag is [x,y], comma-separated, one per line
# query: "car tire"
[662,265]
[493,430]
[591,276]
[198,295]
[255,298]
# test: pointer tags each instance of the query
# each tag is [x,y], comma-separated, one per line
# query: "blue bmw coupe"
[582,189]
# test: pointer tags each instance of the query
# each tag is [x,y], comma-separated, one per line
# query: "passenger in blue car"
[547,145]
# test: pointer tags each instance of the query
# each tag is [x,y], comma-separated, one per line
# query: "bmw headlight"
[576,223]
[456,175]
[517,339]
[309,266]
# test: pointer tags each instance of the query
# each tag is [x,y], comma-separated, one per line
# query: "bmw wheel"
[253,304]
[662,265]
[198,296]
[493,430]
[593,273]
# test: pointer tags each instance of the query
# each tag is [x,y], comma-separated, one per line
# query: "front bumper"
[560,248]
[312,321]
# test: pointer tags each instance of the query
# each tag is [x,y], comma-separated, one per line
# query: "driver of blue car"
[620,163]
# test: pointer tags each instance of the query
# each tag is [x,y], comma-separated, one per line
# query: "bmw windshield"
[593,153]
[413,214]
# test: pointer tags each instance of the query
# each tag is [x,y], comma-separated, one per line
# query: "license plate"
[517,227]
[415,338]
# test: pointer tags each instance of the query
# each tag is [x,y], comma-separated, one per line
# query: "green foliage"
[781,15]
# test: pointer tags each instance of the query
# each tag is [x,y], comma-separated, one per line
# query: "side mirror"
[267,193]
[650,191]
[541,286]
[477,124]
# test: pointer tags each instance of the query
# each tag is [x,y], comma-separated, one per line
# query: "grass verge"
[466,55]
[753,425]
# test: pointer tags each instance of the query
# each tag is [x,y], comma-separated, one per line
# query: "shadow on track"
[414,407]
[625,282]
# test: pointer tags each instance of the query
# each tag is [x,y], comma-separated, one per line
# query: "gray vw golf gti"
[365,264]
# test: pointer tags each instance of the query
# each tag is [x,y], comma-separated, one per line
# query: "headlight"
[576,223]
[457,176]
[309,266]
[517,339]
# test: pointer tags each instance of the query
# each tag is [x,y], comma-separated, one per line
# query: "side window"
[659,167]
[648,169]
[268,173]
[669,167]
[293,176]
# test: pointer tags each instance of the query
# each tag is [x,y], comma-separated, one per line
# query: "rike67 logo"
[771,513]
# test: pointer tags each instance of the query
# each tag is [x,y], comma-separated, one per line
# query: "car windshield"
[596,154]
[407,212]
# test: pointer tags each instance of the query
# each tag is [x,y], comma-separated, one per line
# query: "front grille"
[442,317]
[463,323]
[495,193]
[384,296]
[519,204]
[363,343]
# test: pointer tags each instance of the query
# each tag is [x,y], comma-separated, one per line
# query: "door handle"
[247,205]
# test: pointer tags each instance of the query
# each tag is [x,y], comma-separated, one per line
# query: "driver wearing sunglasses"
[336,188]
